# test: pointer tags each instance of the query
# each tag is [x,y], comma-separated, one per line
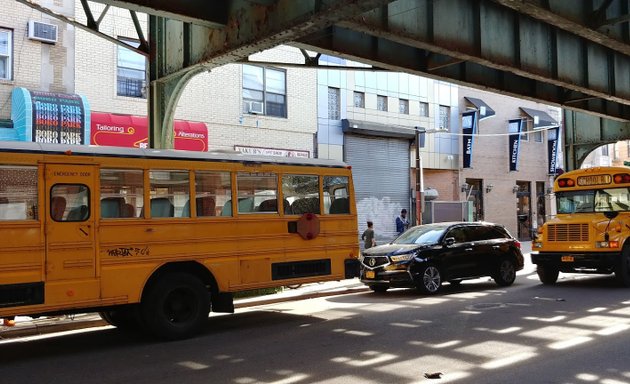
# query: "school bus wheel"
[622,269]
[547,274]
[176,306]
[126,318]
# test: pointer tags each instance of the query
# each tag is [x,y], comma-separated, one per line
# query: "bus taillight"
[620,178]
[562,183]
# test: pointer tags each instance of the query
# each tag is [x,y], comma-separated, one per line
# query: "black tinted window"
[481,233]
[460,234]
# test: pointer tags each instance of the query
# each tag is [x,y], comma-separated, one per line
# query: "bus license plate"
[567,259]
[370,274]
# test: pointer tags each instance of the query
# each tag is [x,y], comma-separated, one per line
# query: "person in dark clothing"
[368,236]
[402,223]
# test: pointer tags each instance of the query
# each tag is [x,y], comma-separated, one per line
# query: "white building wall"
[36,65]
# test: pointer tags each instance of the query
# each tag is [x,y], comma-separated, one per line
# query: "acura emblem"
[372,262]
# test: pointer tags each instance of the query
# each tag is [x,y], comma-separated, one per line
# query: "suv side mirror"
[449,241]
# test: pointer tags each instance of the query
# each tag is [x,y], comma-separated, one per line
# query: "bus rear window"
[336,194]
[18,193]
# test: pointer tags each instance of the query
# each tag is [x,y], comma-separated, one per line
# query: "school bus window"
[213,192]
[69,202]
[301,194]
[122,193]
[18,193]
[257,192]
[336,195]
[170,196]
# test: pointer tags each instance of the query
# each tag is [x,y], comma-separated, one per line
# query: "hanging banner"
[515,127]
[552,150]
[469,129]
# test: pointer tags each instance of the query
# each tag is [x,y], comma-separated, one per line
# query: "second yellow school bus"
[591,230]
[156,239]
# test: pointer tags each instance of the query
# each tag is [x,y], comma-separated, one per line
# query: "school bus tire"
[622,269]
[547,274]
[126,319]
[176,306]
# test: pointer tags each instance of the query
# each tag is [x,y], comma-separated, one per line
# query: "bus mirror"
[611,214]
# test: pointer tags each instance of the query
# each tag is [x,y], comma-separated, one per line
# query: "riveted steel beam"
[211,14]
[179,47]
[499,48]
[422,58]
[583,133]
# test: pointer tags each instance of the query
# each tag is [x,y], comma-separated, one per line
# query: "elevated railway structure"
[575,54]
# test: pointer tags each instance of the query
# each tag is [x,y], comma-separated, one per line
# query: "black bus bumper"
[596,262]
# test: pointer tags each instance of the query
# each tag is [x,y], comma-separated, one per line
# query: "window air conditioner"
[44,32]
[256,107]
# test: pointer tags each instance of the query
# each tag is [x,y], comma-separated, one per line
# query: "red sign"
[109,129]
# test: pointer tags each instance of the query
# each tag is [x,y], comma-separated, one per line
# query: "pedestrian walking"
[402,223]
[368,236]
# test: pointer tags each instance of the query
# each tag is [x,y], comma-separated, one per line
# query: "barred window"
[334,104]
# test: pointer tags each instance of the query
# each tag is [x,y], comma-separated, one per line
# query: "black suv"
[427,255]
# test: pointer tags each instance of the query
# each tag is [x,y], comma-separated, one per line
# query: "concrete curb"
[93,320]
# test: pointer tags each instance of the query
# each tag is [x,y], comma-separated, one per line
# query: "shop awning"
[376,129]
[484,109]
[541,119]
[110,129]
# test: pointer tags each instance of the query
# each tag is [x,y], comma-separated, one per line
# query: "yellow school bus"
[156,239]
[589,233]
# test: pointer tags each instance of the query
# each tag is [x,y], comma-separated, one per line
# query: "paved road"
[575,332]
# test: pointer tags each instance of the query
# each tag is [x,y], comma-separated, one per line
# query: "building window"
[381,103]
[424,109]
[131,71]
[605,150]
[359,100]
[264,91]
[445,117]
[403,106]
[6,53]
[334,105]
[538,136]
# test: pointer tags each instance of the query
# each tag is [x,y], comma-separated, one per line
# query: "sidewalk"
[26,326]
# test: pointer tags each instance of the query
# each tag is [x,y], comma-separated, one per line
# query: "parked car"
[425,256]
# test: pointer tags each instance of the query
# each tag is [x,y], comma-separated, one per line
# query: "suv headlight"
[399,258]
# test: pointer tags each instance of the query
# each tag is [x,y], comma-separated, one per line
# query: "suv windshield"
[424,234]
[599,200]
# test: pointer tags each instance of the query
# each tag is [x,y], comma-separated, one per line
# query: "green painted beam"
[583,133]
[179,49]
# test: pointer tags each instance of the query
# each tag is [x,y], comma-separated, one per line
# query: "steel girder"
[583,133]
[181,49]
[488,45]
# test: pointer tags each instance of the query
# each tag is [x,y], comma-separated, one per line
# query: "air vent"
[44,32]
[256,107]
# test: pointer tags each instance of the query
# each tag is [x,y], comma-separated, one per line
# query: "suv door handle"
[496,246]
[468,249]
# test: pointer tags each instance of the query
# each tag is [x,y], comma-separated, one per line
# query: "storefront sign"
[271,152]
[515,127]
[48,117]
[469,129]
[552,149]
[110,129]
